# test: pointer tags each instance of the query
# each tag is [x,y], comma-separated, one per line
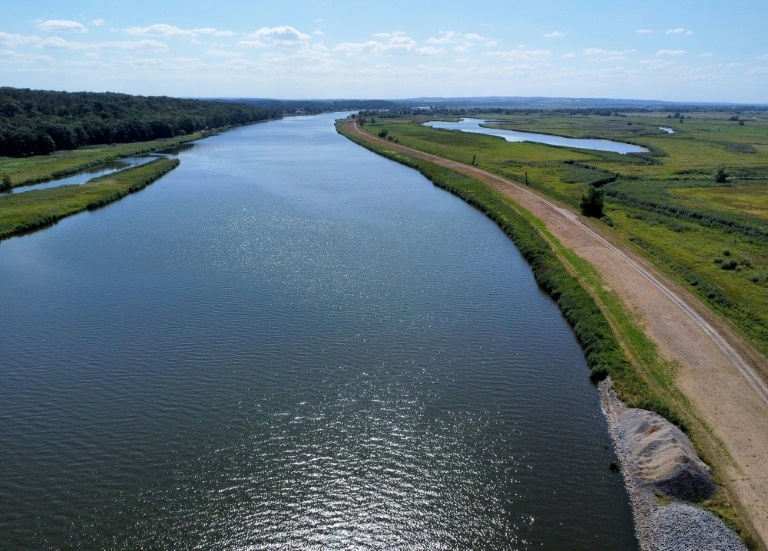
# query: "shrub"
[592,202]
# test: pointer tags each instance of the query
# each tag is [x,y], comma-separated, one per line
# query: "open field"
[24,212]
[664,331]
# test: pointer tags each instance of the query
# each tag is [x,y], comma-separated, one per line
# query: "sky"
[674,50]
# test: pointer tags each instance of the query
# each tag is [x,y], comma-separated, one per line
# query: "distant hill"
[312,106]
[545,102]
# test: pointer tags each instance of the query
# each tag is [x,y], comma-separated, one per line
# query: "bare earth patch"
[723,377]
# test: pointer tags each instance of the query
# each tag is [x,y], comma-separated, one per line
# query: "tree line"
[38,122]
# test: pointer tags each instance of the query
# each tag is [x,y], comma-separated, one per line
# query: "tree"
[592,202]
[5,184]
[721,175]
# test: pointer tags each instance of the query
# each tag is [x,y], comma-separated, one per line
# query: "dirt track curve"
[724,378]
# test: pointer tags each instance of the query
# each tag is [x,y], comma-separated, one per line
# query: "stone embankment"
[658,459]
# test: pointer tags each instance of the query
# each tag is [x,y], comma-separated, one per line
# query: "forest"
[36,122]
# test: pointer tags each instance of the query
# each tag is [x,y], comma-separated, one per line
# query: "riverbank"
[686,363]
[25,212]
[662,521]
[24,171]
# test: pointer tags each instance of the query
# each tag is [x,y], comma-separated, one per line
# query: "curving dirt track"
[723,377]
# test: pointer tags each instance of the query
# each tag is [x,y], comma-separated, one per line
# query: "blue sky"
[648,49]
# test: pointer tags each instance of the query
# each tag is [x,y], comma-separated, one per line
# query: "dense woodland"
[35,122]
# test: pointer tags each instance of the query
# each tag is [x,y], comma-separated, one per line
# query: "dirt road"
[724,378]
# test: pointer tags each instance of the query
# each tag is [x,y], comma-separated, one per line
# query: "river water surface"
[290,342]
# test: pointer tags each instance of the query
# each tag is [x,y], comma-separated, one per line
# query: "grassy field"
[29,170]
[710,236]
[31,210]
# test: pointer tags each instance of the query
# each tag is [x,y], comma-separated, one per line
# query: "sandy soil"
[724,378]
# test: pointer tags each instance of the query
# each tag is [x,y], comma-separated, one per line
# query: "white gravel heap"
[656,455]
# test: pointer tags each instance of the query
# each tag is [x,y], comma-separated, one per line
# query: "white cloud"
[26,59]
[285,36]
[430,50]
[765,56]
[138,45]
[15,40]
[98,22]
[679,30]
[554,34]
[706,54]
[398,44]
[606,55]
[61,25]
[172,31]
[569,55]
[252,44]
[522,54]
[318,32]
[223,53]
[758,71]
[670,52]
[643,31]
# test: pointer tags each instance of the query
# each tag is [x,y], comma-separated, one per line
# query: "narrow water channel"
[290,342]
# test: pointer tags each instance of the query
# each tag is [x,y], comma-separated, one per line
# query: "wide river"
[289,342]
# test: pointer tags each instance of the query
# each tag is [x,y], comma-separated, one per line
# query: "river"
[290,342]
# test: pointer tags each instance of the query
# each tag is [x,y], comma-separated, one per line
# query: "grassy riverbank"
[599,319]
[24,212]
[41,168]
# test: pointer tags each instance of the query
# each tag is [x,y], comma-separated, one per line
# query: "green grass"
[40,168]
[31,210]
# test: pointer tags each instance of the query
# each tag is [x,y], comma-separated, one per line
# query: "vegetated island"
[658,355]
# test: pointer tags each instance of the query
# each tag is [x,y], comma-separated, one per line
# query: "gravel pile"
[679,527]
[674,527]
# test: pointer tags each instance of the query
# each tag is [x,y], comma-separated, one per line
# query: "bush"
[592,202]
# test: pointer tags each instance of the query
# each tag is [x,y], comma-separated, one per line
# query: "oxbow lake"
[475,126]
[290,342]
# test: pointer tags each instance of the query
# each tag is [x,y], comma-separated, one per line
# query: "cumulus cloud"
[606,55]
[15,40]
[554,34]
[61,25]
[137,45]
[643,31]
[172,31]
[398,44]
[670,52]
[521,53]
[569,55]
[98,22]
[679,30]
[285,36]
